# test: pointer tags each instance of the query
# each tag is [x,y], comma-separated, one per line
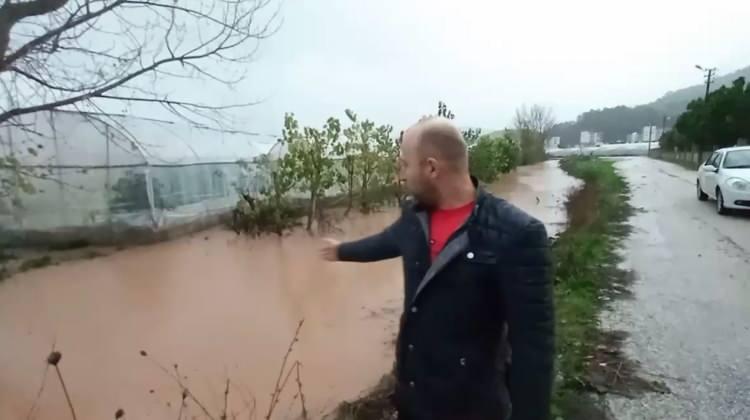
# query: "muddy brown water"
[219,306]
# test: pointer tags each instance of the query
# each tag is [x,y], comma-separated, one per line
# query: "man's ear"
[432,166]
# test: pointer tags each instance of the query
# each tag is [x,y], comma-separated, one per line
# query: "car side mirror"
[710,168]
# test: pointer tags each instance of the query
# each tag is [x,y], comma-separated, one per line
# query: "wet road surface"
[219,306]
[689,320]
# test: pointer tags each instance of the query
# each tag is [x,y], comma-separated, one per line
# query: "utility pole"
[710,73]
[650,128]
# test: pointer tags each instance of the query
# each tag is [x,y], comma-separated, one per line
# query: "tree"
[368,161]
[492,156]
[533,126]
[87,54]
[311,152]
[13,179]
[270,211]
[346,150]
[282,172]
[718,121]
[362,135]
[471,135]
[443,111]
[537,119]
[673,140]
[387,149]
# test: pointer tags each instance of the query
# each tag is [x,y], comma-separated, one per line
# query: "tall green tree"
[282,169]
[388,150]
[366,163]
[312,152]
[346,150]
[717,121]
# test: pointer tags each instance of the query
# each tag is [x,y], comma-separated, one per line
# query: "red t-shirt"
[443,222]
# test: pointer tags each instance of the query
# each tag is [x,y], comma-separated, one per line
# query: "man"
[477,288]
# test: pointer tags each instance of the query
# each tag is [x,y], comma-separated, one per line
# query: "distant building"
[585,138]
[652,132]
[552,143]
[633,137]
[590,138]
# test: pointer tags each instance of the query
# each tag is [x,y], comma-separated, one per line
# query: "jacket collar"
[454,247]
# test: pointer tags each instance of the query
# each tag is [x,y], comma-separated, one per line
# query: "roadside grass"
[585,267]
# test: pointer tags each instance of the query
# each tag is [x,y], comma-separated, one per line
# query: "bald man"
[477,288]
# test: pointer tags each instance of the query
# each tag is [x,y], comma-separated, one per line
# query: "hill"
[615,123]
[674,103]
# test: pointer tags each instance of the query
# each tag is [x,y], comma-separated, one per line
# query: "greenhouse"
[98,176]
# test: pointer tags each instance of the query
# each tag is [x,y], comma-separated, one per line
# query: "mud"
[218,306]
[610,371]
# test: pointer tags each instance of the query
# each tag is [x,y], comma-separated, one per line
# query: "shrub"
[256,216]
[492,156]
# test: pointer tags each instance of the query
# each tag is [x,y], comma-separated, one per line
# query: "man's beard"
[426,197]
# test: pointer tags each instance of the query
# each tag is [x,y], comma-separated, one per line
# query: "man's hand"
[330,249]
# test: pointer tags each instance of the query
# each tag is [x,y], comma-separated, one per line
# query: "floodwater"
[220,307]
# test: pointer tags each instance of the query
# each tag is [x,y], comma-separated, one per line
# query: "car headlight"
[738,184]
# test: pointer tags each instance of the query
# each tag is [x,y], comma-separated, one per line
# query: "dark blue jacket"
[487,294]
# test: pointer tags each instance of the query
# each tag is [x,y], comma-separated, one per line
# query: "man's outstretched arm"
[381,246]
[529,301]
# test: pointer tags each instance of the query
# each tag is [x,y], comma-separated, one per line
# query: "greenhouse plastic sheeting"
[90,170]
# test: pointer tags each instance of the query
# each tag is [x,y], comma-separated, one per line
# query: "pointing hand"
[330,249]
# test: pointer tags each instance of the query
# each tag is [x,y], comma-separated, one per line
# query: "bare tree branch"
[85,51]
[52,34]
[178,103]
[537,119]
[42,81]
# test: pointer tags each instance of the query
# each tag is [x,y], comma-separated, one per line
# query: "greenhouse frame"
[99,176]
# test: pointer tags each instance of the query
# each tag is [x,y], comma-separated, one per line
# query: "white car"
[725,177]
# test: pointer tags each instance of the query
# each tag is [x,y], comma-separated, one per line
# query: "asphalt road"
[689,319]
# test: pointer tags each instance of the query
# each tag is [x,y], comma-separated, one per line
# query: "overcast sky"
[392,60]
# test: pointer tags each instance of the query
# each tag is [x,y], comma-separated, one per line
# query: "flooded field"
[220,307]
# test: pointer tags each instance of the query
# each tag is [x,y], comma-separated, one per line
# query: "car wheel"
[720,203]
[701,195]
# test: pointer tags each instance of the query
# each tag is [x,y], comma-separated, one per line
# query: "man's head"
[433,155]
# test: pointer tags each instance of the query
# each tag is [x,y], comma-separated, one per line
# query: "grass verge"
[585,269]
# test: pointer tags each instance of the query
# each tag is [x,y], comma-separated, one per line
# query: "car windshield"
[737,159]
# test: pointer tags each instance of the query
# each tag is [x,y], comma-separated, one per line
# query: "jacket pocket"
[479,256]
